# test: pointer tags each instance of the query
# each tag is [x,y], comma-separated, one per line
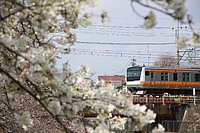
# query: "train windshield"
[133,73]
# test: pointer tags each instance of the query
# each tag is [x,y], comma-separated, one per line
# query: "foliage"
[166,60]
[34,90]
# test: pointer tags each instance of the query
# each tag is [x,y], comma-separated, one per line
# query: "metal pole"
[163,99]
[146,99]
[194,93]
[177,37]
[148,55]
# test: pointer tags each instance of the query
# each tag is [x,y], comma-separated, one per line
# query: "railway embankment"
[191,119]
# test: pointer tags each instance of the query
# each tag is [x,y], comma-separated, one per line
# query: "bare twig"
[7,99]
[154,8]
[189,19]
[132,7]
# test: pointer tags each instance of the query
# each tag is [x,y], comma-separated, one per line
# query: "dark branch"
[17,54]
[154,8]
[7,99]
[35,97]
[13,13]
[132,7]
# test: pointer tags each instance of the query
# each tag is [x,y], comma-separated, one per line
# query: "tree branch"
[2,18]
[17,54]
[7,99]
[154,8]
[19,10]
[37,99]
[132,7]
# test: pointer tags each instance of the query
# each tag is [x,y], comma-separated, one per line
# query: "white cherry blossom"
[24,119]
[149,20]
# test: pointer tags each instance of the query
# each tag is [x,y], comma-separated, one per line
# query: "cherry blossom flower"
[149,20]
[24,119]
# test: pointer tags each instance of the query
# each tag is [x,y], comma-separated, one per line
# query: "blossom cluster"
[28,66]
[175,9]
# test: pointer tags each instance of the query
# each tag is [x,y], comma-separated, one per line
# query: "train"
[163,80]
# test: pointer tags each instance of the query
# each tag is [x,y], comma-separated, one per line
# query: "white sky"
[124,27]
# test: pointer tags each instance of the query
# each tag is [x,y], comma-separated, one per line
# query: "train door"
[175,79]
[167,79]
[186,80]
[164,80]
[152,79]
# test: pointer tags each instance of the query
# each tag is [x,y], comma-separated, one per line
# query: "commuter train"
[163,80]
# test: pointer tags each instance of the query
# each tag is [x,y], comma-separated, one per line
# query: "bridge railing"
[165,99]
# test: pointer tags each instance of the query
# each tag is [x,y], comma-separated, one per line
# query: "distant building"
[116,80]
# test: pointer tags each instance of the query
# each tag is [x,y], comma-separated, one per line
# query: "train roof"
[195,69]
[167,68]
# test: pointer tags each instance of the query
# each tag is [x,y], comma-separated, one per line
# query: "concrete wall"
[191,119]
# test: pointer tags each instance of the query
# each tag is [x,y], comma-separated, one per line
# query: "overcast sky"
[124,27]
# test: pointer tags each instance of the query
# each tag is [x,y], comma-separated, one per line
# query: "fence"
[165,99]
[170,126]
[181,126]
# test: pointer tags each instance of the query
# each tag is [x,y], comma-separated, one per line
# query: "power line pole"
[148,55]
[177,38]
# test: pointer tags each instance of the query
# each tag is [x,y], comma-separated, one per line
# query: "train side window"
[146,73]
[166,76]
[162,76]
[197,77]
[183,76]
[187,77]
[175,76]
[152,75]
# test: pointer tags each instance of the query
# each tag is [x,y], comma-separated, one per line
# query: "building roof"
[112,78]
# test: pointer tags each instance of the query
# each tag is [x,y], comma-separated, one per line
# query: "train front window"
[133,73]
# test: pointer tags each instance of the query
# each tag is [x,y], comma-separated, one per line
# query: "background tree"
[166,60]
[34,91]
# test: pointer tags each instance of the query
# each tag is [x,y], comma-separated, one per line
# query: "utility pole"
[177,38]
[177,34]
[148,55]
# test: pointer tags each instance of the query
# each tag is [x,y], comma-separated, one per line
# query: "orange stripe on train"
[171,70]
[170,83]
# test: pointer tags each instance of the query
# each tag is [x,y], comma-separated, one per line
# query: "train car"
[162,80]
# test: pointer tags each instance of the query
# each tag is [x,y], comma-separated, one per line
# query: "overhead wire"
[120,52]
[122,70]
[116,30]
[124,31]
[130,54]
[110,56]
[122,27]
[124,43]
[126,27]
[116,54]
